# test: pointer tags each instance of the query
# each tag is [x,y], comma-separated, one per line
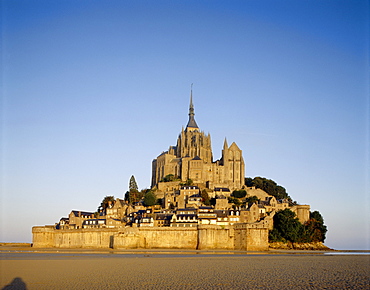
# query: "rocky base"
[299,246]
[15,245]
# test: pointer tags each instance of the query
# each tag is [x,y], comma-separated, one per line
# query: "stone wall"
[215,237]
[251,237]
[169,238]
[45,237]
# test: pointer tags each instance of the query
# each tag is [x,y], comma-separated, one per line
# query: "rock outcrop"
[319,246]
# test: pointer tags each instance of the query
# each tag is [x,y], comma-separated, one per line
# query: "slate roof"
[192,123]
[79,213]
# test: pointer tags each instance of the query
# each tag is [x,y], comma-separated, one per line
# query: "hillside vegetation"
[269,186]
[287,227]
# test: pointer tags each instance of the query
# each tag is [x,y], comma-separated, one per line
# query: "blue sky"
[92,91]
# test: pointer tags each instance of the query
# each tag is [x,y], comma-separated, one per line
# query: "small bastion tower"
[192,159]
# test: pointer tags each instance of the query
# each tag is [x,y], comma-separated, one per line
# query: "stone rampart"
[215,237]
[170,238]
[251,237]
[44,237]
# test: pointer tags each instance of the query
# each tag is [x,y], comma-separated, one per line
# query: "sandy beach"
[93,269]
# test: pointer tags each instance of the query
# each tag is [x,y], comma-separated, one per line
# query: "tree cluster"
[287,228]
[188,182]
[251,199]
[236,201]
[239,193]
[105,203]
[205,197]
[269,186]
[169,178]
[149,198]
[133,195]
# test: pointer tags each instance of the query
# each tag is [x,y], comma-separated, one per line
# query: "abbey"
[192,159]
[196,206]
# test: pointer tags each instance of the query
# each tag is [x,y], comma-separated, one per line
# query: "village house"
[93,223]
[184,217]
[76,218]
[207,216]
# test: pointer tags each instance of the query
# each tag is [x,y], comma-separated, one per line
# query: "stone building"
[77,217]
[192,158]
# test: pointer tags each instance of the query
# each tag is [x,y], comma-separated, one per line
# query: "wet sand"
[104,269]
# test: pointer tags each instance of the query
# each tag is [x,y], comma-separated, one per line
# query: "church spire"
[226,146]
[191,123]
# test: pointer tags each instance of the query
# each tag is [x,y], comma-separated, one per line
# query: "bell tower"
[191,141]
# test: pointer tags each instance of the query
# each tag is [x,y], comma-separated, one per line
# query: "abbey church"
[184,178]
[192,159]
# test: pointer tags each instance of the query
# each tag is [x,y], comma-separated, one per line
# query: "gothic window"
[193,140]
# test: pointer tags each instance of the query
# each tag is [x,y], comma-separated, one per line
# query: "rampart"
[249,237]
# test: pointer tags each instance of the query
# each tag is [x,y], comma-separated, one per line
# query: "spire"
[191,107]
[191,123]
[226,146]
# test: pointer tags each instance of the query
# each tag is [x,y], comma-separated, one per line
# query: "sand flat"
[153,270]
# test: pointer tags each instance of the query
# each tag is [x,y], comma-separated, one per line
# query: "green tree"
[134,196]
[188,182]
[132,184]
[169,178]
[149,198]
[275,236]
[251,199]
[234,200]
[269,186]
[105,202]
[205,197]
[315,230]
[248,181]
[287,227]
[317,216]
[239,193]
[133,193]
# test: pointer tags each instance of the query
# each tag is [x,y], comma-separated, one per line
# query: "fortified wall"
[249,237]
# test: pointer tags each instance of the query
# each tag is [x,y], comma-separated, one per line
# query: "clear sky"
[92,91]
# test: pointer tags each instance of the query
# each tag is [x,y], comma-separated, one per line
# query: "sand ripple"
[188,272]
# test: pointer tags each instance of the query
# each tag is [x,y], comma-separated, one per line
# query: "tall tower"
[191,141]
[192,125]
[192,158]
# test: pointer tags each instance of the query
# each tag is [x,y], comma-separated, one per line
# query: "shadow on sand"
[16,284]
